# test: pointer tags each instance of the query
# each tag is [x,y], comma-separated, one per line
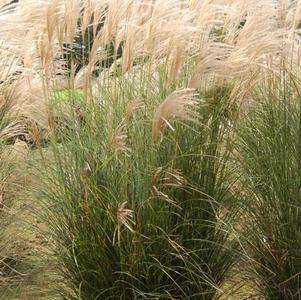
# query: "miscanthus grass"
[137,177]
[269,145]
[138,196]
[10,257]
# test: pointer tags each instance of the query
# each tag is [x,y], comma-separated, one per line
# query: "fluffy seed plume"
[124,217]
[180,104]
[131,108]
[118,139]
[12,130]
[173,178]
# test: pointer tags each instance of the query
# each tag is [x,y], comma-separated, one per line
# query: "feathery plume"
[180,104]
[124,217]
[118,140]
[130,110]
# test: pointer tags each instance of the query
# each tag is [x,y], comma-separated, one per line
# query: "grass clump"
[269,145]
[127,111]
[138,195]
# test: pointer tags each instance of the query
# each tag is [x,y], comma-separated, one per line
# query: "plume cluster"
[220,39]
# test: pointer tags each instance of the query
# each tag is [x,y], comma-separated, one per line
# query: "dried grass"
[170,31]
[180,104]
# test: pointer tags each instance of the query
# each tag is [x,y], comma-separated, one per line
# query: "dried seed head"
[173,178]
[180,104]
[124,217]
[118,140]
[164,197]
[156,176]
[131,108]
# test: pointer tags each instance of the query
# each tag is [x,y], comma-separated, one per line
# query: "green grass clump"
[270,149]
[138,218]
